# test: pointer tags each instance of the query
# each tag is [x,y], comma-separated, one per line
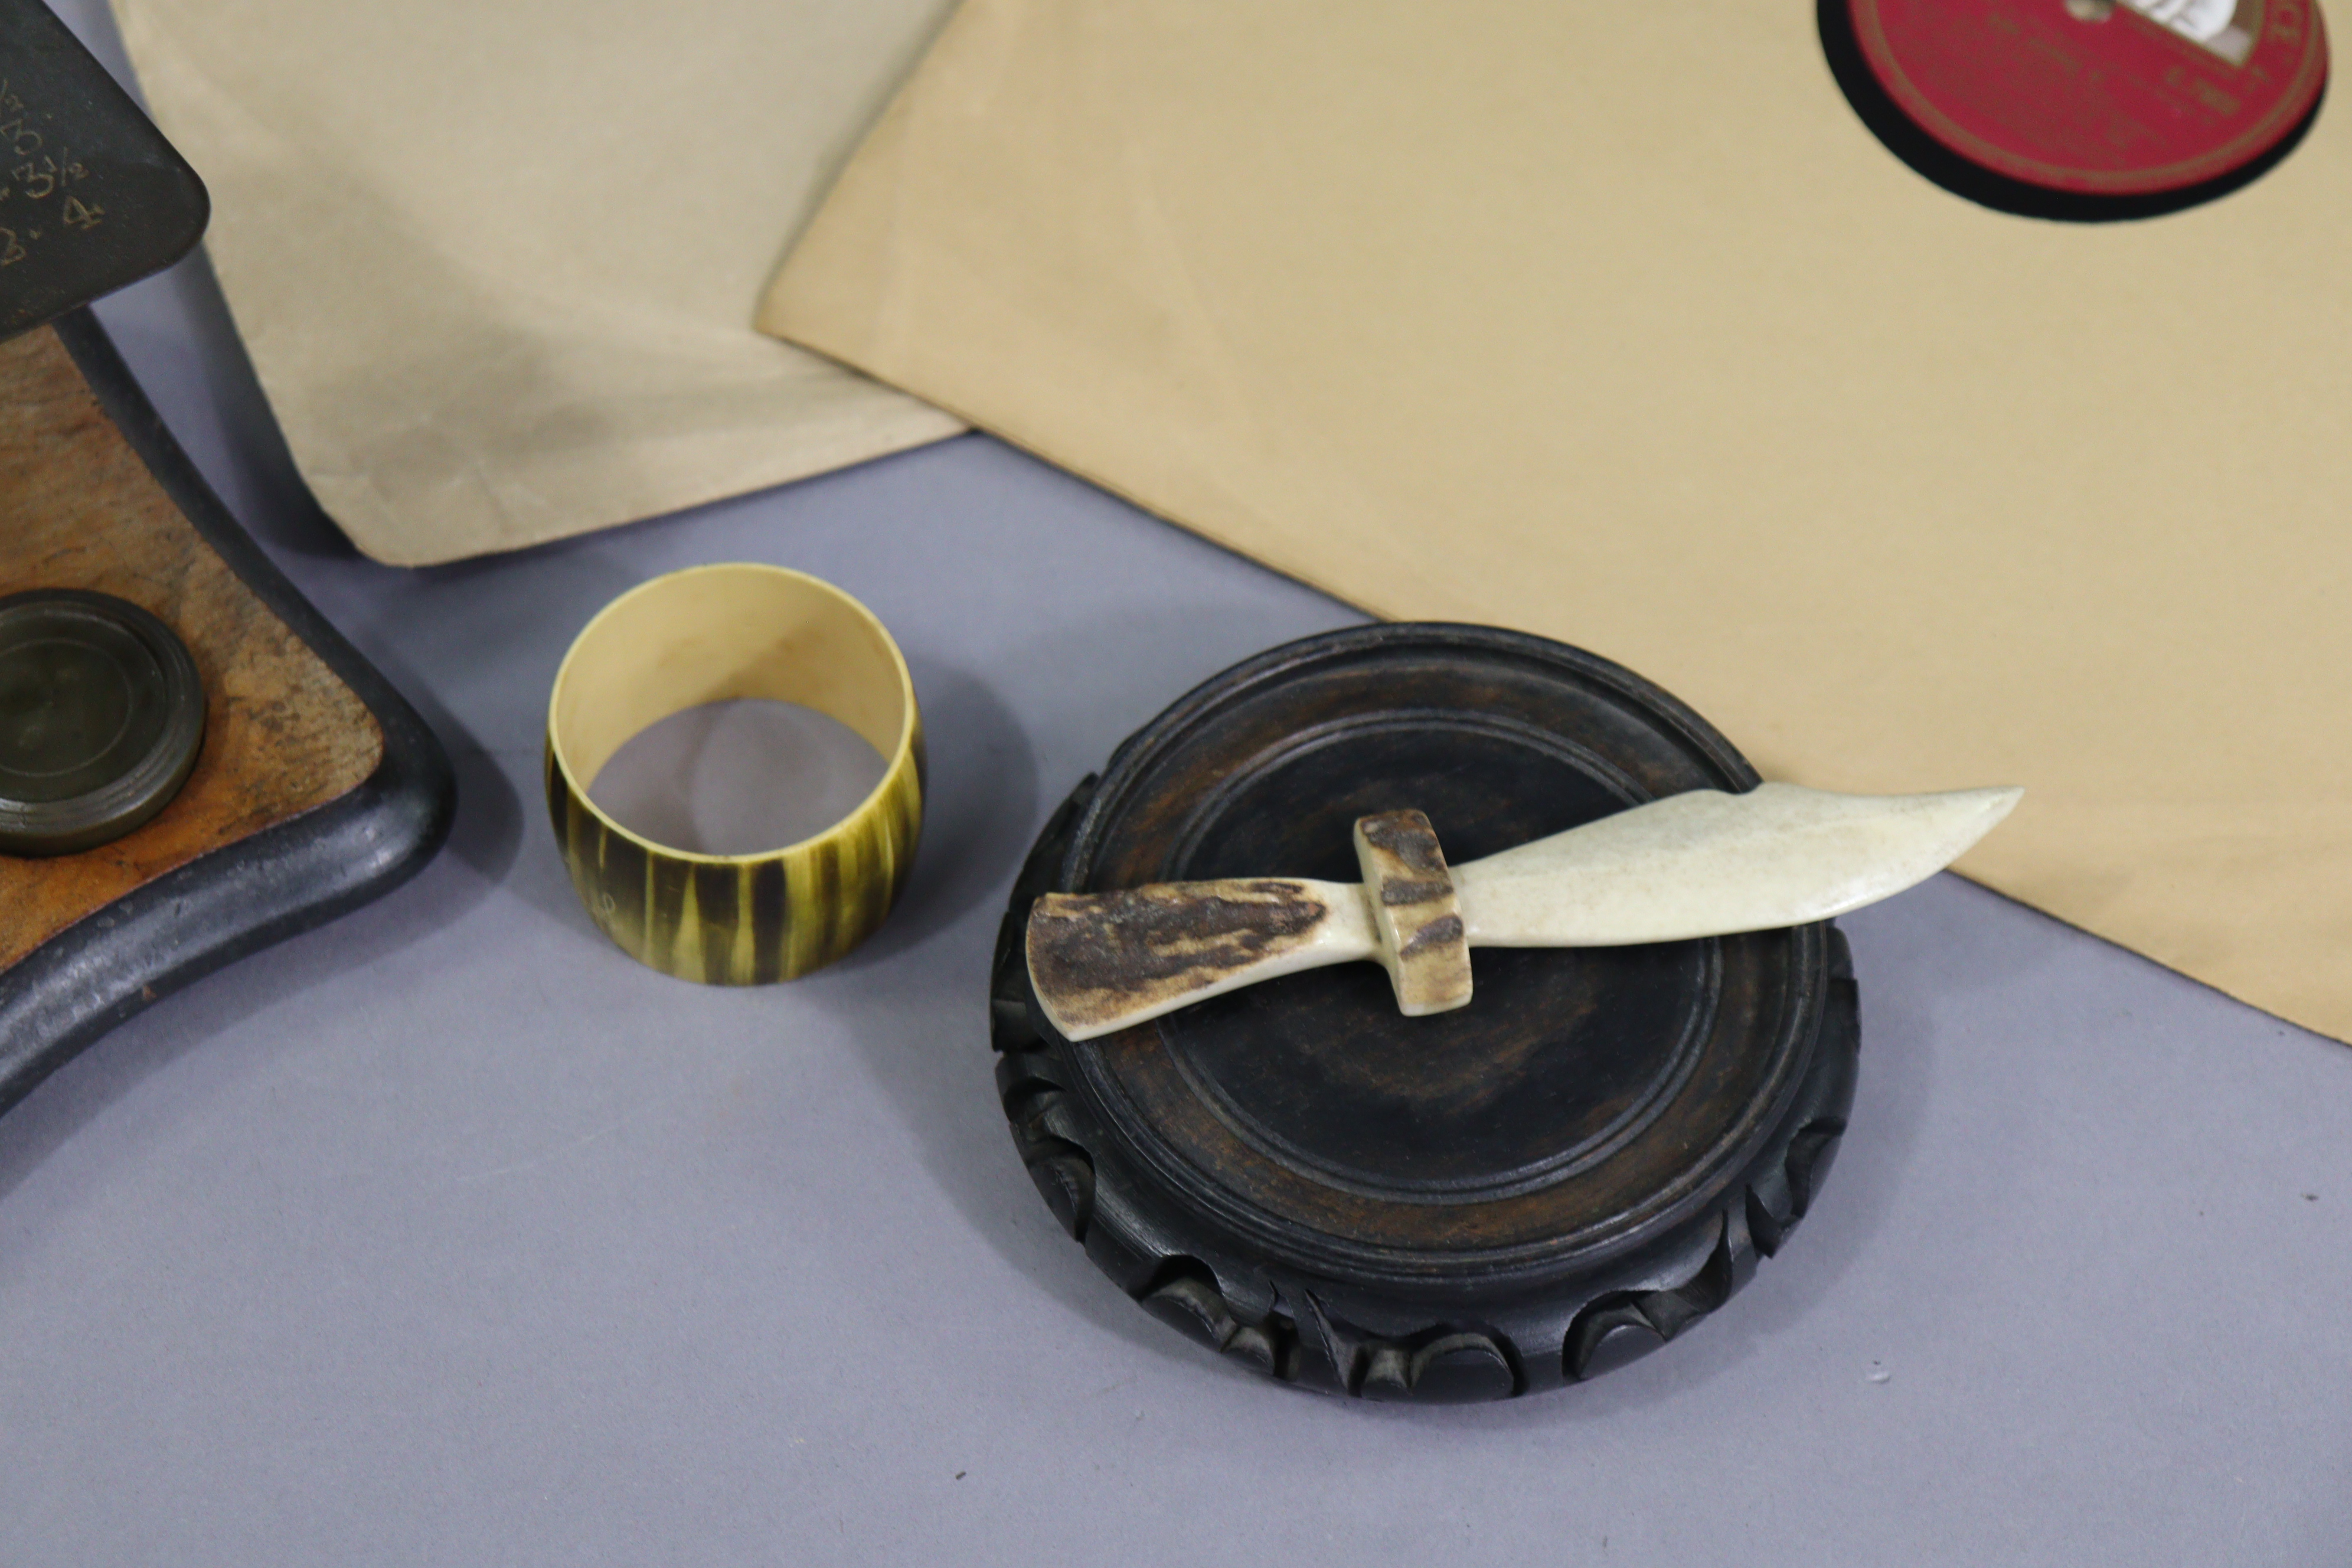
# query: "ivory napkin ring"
[707,634]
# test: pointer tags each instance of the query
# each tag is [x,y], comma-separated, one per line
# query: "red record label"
[2101,96]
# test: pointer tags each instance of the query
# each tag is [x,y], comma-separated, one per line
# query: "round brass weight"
[101,717]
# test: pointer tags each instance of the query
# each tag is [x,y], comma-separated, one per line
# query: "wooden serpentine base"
[316,785]
[78,509]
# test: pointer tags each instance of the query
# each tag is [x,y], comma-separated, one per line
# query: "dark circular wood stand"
[1557,1178]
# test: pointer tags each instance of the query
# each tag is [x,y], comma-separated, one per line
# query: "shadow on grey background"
[796,772]
[258,478]
[86,1086]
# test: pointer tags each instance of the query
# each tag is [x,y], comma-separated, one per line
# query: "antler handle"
[1101,961]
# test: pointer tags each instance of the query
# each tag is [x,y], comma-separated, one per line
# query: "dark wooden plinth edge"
[1311,1335]
[341,794]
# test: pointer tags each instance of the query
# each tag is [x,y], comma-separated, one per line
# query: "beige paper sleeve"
[1615,324]
[495,263]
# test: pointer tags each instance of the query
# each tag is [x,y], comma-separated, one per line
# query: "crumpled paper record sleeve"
[1616,324]
[495,261]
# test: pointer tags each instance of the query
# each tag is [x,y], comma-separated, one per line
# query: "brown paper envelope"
[496,260]
[1615,324]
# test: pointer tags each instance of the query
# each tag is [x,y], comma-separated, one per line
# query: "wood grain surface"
[282,733]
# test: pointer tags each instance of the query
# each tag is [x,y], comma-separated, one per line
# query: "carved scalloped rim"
[1442,1359]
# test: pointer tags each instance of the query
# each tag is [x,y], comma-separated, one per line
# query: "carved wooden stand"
[1570,1171]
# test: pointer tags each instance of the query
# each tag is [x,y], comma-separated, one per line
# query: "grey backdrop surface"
[446,1235]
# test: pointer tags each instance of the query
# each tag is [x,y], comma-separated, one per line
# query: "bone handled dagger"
[1702,864]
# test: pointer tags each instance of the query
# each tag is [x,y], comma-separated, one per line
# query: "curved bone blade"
[1709,864]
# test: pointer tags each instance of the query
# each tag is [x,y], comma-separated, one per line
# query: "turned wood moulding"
[1474,1204]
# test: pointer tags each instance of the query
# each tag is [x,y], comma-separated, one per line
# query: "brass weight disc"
[102,716]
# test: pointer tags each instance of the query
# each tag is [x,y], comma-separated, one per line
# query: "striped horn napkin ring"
[711,634]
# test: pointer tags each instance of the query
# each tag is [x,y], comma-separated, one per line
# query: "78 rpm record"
[1580,1165]
[2082,107]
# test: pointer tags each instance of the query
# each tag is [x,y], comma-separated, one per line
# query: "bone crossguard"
[1705,863]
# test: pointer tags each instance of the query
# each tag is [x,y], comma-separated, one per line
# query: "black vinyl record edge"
[1393,1341]
[237,900]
